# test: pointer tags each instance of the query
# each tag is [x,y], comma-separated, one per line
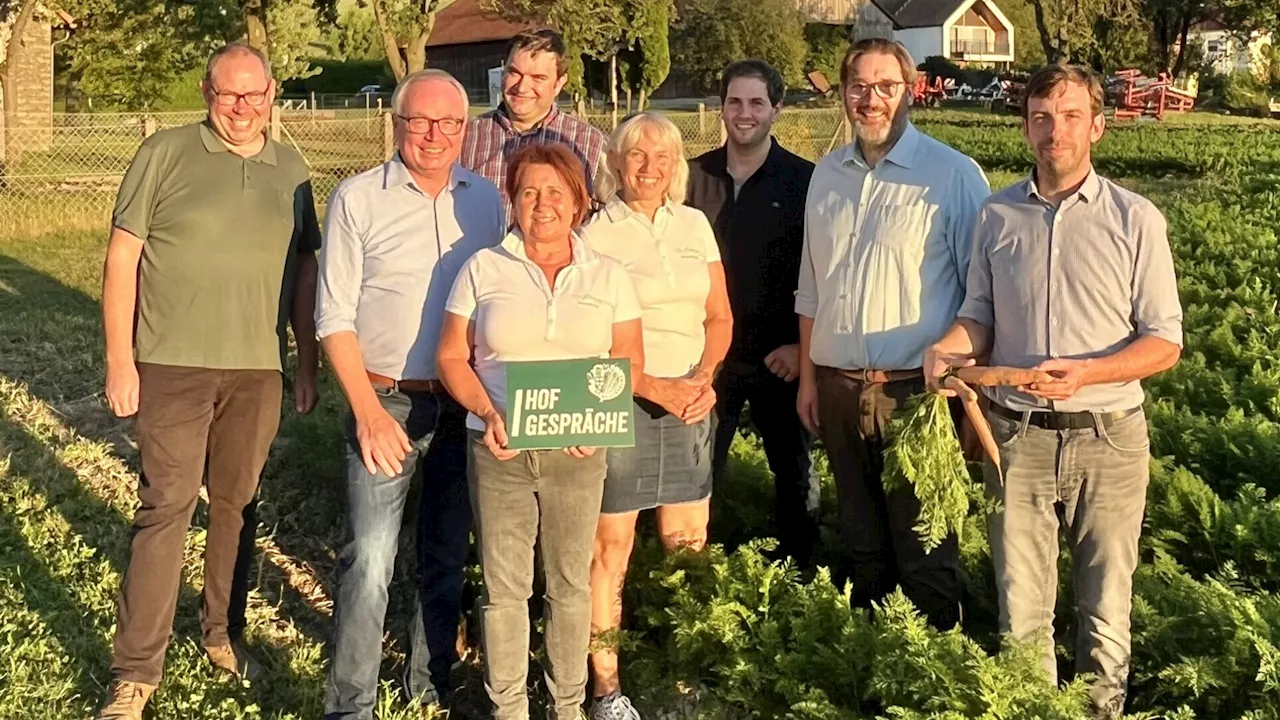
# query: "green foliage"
[712,33]
[295,32]
[1244,93]
[827,45]
[923,453]
[355,37]
[650,23]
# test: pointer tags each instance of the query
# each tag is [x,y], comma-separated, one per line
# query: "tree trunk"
[254,13]
[390,45]
[7,95]
[1164,40]
[1051,53]
[613,81]
[644,97]
[415,54]
[1180,64]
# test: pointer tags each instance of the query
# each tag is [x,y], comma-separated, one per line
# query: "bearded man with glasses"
[395,238]
[212,254]
[888,227]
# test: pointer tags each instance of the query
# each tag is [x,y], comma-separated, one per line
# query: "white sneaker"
[614,706]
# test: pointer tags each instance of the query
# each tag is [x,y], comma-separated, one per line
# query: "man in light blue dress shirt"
[395,238]
[888,224]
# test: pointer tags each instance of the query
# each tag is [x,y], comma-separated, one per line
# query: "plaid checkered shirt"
[491,140]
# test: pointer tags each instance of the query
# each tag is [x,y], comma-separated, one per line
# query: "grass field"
[727,634]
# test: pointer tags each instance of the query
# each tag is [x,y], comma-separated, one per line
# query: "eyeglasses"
[228,99]
[886,89]
[422,125]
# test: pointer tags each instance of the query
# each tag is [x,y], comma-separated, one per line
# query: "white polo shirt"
[519,317]
[668,261]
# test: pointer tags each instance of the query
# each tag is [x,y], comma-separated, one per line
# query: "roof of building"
[465,22]
[919,13]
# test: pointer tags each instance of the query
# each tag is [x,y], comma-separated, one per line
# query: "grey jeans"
[1093,484]
[541,496]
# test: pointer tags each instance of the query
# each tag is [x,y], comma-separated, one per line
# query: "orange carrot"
[998,375]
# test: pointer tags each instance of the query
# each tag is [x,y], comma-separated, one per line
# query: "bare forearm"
[966,338]
[119,298]
[1138,360]
[719,334]
[303,315]
[808,371]
[343,351]
[464,385]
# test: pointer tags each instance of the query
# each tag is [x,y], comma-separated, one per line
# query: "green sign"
[562,403]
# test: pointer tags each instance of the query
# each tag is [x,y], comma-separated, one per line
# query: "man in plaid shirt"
[532,78]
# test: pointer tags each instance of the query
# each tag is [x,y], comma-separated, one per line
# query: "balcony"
[961,49]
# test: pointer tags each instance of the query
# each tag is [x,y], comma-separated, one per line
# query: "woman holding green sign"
[541,295]
[669,250]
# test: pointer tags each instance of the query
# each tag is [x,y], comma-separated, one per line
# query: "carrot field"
[725,634]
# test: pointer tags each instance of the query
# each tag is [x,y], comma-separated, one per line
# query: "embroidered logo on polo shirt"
[691,253]
[591,301]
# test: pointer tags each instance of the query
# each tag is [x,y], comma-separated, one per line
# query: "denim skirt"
[669,465]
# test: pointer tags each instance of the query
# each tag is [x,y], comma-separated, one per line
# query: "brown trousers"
[881,550]
[194,426]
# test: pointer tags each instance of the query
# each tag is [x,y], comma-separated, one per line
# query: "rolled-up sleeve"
[462,297]
[341,269]
[807,283]
[968,193]
[1156,308]
[978,304]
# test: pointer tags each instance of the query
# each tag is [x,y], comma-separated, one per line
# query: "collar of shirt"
[395,174]
[902,154]
[503,119]
[720,164]
[1088,191]
[617,211]
[214,144]
[582,253]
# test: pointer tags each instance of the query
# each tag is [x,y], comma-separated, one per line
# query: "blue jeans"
[436,425]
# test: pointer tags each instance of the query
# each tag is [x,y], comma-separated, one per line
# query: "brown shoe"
[125,700]
[234,659]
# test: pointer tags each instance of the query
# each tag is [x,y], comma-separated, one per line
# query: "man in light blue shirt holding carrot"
[888,228]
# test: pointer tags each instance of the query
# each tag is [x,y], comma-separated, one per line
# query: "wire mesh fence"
[63,173]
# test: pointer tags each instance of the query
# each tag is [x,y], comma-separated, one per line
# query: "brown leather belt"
[386,383]
[879,377]
[1064,420]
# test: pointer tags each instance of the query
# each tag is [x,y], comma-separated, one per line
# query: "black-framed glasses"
[886,89]
[422,125]
[228,99]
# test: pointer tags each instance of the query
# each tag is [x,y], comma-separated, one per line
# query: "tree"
[15,15]
[1068,29]
[713,33]
[405,27]
[594,28]
[255,14]
[1028,52]
[650,21]
[295,31]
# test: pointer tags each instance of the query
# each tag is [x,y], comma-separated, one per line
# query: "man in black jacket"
[753,191]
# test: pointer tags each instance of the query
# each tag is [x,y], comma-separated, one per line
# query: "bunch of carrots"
[924,451]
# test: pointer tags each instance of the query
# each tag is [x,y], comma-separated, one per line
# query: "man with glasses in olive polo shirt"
[211,254]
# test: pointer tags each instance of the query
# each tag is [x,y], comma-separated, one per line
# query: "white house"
[1227,52]
[963,31]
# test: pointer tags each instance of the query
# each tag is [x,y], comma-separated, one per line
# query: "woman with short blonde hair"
[670,253]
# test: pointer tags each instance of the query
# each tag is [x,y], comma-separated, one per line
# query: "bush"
[1245,94]
[342,76]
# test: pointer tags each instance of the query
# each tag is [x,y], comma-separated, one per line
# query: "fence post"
[388,137]
[148,126]
[848,130]
[702,118]
[724,133]
[275,123]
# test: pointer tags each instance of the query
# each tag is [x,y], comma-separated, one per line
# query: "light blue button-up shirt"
[389,258]
[886,251]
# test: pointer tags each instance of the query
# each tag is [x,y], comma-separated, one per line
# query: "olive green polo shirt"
[222,236]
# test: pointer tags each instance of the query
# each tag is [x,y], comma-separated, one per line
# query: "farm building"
[467,41]
[1226,51]
[963,31]
[32,77]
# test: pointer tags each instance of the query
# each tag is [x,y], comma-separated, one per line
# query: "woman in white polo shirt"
[671,255]
[542,294]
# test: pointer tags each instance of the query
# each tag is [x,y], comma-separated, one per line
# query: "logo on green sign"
[562,403]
